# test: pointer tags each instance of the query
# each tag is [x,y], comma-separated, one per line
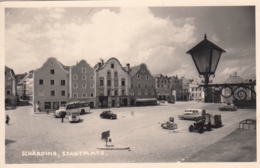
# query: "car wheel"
[200,129]
[191,128]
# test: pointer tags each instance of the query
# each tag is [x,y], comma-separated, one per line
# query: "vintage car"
[58,112]
[230,107]
[192,114]
[108,114]
[74,116]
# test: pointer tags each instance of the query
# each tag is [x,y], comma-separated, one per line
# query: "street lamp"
[206,56]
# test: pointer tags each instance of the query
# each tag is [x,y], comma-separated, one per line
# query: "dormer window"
[112,66]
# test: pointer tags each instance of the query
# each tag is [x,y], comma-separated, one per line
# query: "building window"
[132,85]
[116,82]
[132,93]
[143,70]
[84,86]
[122,82]
[108,82]
[108,92]
[138,76]
[52,82]
[116,92]
[52,71]
[84,77]
[75,86]
[92,86]
[84,70]
[75,77]
[108,74]
[41,82]
[147,77]
[123,92]
[52,93]
[40,93]
[8,92]
[101,81]
[62,82]
[112,66]
[152,92]
[8,83]
[145,85]
[63,93]
[152,85]
[91,78]
[115,74]
[145,92]
[75,94]
[158,86]
[139,93]
[91,94]
[139,85]
[84,95]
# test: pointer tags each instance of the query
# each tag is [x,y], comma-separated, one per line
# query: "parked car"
[192,114]
[230,107]
[108,114]
[74,116]
[58,112]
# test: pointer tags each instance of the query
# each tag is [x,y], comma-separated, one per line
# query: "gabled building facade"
[142,86]
[163,87]
[82,83]
[112,84]
[50,85]
[22,87]
[10,87]
[180,86]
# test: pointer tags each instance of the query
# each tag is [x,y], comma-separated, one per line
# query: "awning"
[146,100]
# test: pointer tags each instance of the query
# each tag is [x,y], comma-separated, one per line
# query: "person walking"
[7,120]
[62,116]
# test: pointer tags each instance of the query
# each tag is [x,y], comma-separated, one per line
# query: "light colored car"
[74,116]
[58,112]
[192,114]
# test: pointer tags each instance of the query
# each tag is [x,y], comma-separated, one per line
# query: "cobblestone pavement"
[41,138]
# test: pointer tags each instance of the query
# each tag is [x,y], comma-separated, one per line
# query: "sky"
[156,36]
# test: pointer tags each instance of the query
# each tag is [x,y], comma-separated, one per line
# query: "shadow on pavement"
[7,141]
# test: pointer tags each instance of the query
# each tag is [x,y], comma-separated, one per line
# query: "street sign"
[105,135]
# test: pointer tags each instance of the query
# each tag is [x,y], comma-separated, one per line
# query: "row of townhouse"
[106,85]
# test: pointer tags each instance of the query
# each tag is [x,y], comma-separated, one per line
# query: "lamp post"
[206,56]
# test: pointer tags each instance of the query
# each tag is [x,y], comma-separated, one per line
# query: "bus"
[78,106]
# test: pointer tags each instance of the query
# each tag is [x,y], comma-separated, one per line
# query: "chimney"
[102,63]
[128,67]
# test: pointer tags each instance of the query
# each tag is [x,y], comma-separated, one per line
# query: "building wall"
[196,93]
[85,85]
[10,87]
[42,93]
[142,84]
[102,91]
[163,87]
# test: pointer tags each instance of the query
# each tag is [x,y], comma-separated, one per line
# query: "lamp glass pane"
[202,59]
[215,59]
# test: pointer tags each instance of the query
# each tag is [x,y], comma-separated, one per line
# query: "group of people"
[7,119]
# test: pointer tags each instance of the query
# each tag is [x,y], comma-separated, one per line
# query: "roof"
[235,79]
[19,77]
[204,44]
[134,69]
[67,68]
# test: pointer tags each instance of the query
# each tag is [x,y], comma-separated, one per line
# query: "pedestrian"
[62,116]
[132,113]
[7,120]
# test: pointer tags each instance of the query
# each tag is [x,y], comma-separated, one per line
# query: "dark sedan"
[108,114]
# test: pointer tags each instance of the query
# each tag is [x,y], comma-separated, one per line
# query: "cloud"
[57,13]
[38,18]
[215,38]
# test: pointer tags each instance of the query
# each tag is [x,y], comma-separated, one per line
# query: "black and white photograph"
[124,82]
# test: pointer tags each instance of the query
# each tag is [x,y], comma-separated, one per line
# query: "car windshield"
[62,108]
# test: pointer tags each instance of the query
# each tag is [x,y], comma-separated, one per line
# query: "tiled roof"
[134,69]
[19,77]
[235,79]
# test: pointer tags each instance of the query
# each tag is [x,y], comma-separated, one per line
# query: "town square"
[130,84]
